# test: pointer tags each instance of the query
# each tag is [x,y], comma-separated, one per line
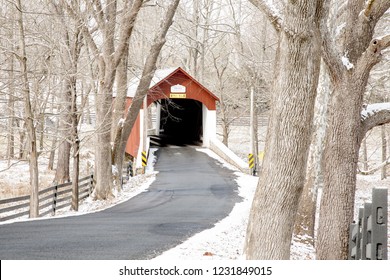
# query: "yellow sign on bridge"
[178,95]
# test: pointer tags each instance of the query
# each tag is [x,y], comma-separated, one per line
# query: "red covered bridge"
[184,112]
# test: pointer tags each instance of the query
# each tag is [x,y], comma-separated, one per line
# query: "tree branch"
[368,9]
[329,52]
[372,55]
[375,9]
[98,13]
[128,22]
[84,29]
[370,15]
[373,170]
[374,115]
[271,12]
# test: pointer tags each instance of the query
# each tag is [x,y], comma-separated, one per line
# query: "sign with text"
[178,89]
[178,95]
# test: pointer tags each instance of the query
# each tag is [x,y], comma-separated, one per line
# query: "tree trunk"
[29,117]
[282,178]
[225,132]
[340,166]
[118,116]
[11,102]
[388,137]
[107,71]
[50,165]
[76,154]
[365,157]
[75,51]
[11,114]
[75,175]
[62,170]
[69,53]
[103,159]
[384,151]
[195,44]
[22,137]
[305,220]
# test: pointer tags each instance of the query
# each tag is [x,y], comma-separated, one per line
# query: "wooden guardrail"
[50,200]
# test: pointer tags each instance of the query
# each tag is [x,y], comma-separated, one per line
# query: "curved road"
[191,193]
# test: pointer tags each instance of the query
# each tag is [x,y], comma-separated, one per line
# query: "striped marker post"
[144,158]
[251,161]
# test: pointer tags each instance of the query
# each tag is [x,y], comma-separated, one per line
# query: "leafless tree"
[28,113]
[289,132]
[100,35]
[349,59]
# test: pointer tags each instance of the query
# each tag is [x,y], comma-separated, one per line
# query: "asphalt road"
[191,193]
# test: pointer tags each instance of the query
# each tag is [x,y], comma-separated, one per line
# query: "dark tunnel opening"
[181,122]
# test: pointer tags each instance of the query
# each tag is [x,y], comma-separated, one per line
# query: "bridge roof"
[163,79]
[193,89]
[159,75]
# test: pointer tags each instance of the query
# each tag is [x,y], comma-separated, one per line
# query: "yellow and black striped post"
[144,159]
[251,161]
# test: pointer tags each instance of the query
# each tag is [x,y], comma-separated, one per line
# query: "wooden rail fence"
[50,200]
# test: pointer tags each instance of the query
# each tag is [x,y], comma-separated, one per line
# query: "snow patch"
[372,109]
[346,62]
[340,28]
[159,75]
[121,122]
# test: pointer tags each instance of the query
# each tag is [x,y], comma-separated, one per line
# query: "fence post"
[366,231]
[353,240]
[130,169]
[55,199]
[355,231]
[90,186]
[379,224]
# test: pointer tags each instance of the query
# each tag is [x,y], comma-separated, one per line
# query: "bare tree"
[12,97]
[349,58]
[306,214]
[289,132]
[29,117]
[69,50]
[109,56]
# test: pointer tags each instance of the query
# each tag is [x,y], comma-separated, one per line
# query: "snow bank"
[228,155]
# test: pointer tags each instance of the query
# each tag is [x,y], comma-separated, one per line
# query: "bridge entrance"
[181,122]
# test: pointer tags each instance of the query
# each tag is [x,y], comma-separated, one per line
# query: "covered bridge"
[181,112]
